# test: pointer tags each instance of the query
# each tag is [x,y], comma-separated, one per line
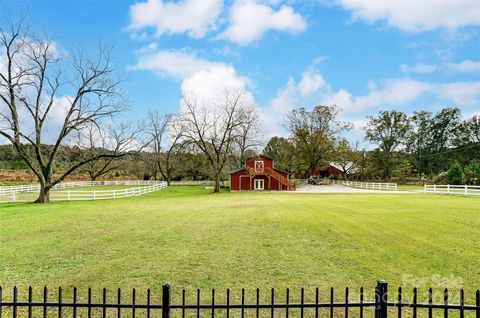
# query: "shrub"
[455,174]
[440,178]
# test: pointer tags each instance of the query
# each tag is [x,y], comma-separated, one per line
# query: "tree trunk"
[169,177]
[217,182]
[44,195]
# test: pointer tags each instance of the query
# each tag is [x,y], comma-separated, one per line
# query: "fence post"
[466,190]
[381,299]
[448,188]
[166,300]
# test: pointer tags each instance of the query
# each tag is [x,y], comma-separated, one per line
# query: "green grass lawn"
[193,238]
[409,187]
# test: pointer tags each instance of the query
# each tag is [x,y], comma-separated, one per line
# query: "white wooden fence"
[199,183]
[25,193]
[452,189]
[75,184]
[371,185]
[332,181]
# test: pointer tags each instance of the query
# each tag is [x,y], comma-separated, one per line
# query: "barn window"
[259,166]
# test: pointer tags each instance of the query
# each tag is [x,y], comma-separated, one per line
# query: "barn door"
[259,166]
[259,184]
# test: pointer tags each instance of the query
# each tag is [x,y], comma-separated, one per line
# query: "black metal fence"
[379,307]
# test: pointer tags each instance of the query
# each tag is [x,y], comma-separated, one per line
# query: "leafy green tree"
[373,165]
[472,172]
[388,130]
[347,157]
[469,131]
[467,140]
[419,141]
[403,170]
[313,134]
[282,151]
[455,174]
[444,129]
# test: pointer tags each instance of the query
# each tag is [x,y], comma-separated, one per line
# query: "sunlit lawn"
[193,238]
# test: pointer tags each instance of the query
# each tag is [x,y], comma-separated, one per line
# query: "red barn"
[259,173]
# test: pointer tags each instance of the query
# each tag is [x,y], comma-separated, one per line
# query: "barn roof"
[236,170]
[350,166]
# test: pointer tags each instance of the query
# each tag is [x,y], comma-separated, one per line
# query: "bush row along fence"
[452,189]
[379,307]
[28,192]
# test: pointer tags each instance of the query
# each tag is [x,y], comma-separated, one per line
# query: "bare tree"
[215,127]
[165,143]
[116,140]
[38,84]
[248,135]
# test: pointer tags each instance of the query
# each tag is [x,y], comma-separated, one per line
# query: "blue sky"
[361,55]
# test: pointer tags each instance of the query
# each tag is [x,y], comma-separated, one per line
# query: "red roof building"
[259,173]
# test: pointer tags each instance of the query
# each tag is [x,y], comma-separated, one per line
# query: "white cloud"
[293,95]
[462,93]
[210,84]
[205,79]
[193,17]
[398,92]
[311,82]
[341,98]
[249,20]
[419,68]
[175,64]
[415,15]
[392,92]
[465,66]
[395,91]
